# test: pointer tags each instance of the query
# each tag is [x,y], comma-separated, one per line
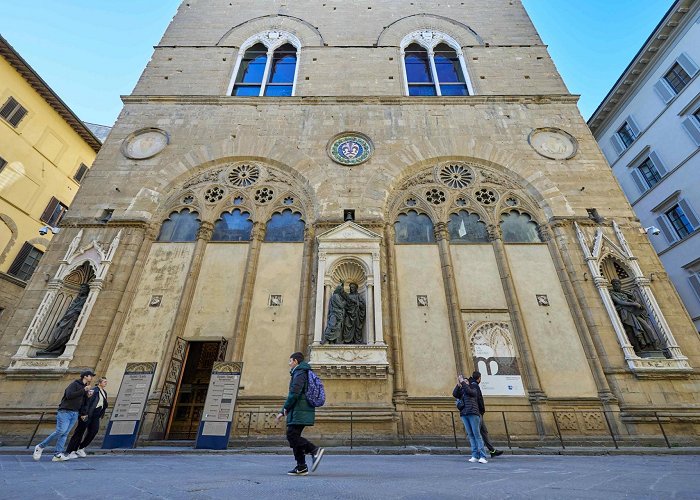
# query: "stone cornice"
[42,88]
[473,100]
[637,69]
[13,280]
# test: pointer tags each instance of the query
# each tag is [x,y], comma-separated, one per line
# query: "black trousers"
[83,434]
[485,435]
[298,444]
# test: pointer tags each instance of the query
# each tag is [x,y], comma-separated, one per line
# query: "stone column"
[453,309]
[395,330]
[305,292]
[369,321]
[257,235]
[321,299]
[532,381]
[377,300]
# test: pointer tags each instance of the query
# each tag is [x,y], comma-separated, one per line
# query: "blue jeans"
[472,423]
[65,420]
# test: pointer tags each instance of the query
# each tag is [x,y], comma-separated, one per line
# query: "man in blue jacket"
[73,398]
[299,414]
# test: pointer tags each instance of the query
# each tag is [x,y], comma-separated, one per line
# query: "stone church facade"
[429,154]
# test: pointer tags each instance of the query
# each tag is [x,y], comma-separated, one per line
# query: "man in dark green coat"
[299,414]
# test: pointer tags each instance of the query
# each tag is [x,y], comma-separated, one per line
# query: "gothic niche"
[347,307]
[60,322]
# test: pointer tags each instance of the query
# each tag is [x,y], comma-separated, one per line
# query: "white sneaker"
[59,457]
[71,455]
[81,453]
[483,461]
[38,450]
[473,460]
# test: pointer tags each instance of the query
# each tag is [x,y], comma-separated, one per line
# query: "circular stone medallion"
[553,143]
[145,143]
[350,148]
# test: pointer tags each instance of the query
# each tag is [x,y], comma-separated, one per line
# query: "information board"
[215,426]
[127,414]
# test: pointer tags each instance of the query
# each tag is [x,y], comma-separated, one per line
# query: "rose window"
[456,176]
[411,202]
[486,196]
[244,175]
[288,200]
[435,196]
[238,200]
[511,202]
[263,195]
[461,202]
[187,200]
[213,194]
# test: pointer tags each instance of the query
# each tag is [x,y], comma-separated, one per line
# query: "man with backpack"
[300,412]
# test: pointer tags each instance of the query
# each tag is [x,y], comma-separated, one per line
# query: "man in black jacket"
[73,398]
[91,413]
[476,377]
[467,394]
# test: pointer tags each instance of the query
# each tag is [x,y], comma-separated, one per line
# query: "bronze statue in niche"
[64,327]
[346,316]
[634,319]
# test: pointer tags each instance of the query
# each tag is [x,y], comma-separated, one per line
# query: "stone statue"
[64,328]
[634,319]
[355,310]
[333,333]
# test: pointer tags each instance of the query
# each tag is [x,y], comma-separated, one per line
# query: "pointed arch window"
[434,65]
[268,66]
[518,227]
[286,227]
[414,228]
[233,226]
[466,227]
[180,226]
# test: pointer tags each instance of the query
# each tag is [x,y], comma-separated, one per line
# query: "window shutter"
[633,126]
[689,213]
[687,64]
[48,211]
[692,126]
[664,90]
[666,229]
[19,260]
[639,181]
[3,162]
[8,107]
[617,144]
[657,163]
[82,170]
[695,284]
[17,116]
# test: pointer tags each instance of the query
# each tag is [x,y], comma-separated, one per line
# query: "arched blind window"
[262,72]
[285,227]
[465,227]
[235,226]
[180,226]
[518,227]
[418,72]
[414,228]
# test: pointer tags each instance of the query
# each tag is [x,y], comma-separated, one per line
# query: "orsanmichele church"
[403,190]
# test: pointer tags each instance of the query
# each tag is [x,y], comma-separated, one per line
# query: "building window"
[54,212]
[692,126]
[679,221]
[695,283]
[285,227]
[626,135]
[3,162]
[180,227]
[82,170]
[433,65]
[649,173]
[13,112]
[414,228]
[268,67]
[233,226]
[465,227]
[25,263]
[677,78]
[518,227]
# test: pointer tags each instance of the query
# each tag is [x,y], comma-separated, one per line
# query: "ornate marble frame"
[350,242]
[595,252]
[99,258]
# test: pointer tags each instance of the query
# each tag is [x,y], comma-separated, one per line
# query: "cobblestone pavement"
[343,476]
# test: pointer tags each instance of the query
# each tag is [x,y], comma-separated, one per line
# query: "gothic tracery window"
[518,227]
[180,226]
[267,67]
[433,65]
[465,227]
[414,228]
[286,227]
[233,226]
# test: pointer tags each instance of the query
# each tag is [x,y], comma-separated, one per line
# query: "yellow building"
[45,151]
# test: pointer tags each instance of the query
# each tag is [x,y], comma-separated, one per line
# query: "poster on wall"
[215,426]
[123,428]
[495,358]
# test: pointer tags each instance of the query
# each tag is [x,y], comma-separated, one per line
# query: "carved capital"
[494,232]
[441,232]
[258,231]
[206,229]
[544,232]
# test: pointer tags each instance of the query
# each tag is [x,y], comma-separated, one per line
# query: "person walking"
[88,426]
[468,395]
[476,376]
[300,414]
[71,402]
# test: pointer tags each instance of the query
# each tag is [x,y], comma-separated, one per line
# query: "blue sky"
[91,52]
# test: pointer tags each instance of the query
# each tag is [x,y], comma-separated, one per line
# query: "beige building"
[429,154]
[45,152]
